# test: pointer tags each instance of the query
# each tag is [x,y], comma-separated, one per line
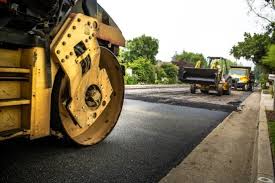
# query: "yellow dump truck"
[59,74]
[242,77]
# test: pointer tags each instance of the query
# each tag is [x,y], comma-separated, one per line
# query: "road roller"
[59,74]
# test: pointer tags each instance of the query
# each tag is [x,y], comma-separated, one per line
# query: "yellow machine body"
[25,98]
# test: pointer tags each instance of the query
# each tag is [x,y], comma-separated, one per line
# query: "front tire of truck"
[220,90]
[193,88]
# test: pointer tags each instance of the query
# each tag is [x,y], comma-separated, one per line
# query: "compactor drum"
[59,74]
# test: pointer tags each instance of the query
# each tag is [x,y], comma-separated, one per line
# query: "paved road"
[148,141]
[180,95]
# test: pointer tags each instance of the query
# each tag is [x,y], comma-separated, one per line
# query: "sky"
[209,27]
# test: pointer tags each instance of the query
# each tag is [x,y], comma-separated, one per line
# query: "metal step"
[14,70]
[14,102]
[14,78]
[13,133]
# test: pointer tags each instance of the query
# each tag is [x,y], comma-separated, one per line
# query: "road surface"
[149,140]
[180,95]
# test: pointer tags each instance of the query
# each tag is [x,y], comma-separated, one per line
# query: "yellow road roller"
[59,74]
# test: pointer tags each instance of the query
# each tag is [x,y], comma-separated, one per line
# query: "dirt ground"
[180,95]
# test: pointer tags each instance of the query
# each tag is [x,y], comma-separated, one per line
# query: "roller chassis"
[61,80]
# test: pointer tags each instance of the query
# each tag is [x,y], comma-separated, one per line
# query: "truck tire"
[193,88]
[228,92]
[220,90]
[204,91]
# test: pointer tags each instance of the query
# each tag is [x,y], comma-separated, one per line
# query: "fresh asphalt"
[148,141]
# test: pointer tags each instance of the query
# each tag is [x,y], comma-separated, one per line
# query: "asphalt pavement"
[149,140]
[180,95]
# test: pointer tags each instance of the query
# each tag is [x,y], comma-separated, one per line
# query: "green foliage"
[269,60]
[263,79]
[167,73]
[131,80]
[143,71]
[171,72]
[258,70]
[254,47]
[231,63]
[189,57]
[160,73]
[140,47]
[271,130]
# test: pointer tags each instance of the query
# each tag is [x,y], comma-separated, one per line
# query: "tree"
[141,47]
[263,9]
[189,57]
[143,70]
[171,72]
[231,63]
[269,60]
[254,47]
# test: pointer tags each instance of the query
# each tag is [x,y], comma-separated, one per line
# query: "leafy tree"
[143,70]
[189,57]
[171,72]
[254,47]
[270,58]
[141,47]
[231,63]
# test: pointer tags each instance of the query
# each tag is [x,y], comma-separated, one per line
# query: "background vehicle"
[58,70]
[211,78]
[242,77]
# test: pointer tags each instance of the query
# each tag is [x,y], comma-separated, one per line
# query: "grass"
[271,127]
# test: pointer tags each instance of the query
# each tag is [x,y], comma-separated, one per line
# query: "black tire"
[251,87]
[220,90]
[228,92]
[245,87]
[55,122]
[204,91]
[193,88]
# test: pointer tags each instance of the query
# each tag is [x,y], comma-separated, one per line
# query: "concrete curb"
[264,158]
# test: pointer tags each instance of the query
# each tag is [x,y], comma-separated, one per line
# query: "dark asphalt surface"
[149,140]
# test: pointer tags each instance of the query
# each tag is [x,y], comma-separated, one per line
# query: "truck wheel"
[250,87]
[220,90]
[204,91]
[193,88]
[228,92]
[246,87]
[61,119]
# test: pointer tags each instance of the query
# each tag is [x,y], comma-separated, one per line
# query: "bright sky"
[210,27]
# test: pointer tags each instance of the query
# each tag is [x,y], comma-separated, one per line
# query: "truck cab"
[242,77]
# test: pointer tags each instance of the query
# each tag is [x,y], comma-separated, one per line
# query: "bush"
[171,72]
[143,70]
[263,79]
[131,80]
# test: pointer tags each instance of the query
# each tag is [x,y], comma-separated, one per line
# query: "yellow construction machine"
[242,77]
[215,77]
[59,74]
